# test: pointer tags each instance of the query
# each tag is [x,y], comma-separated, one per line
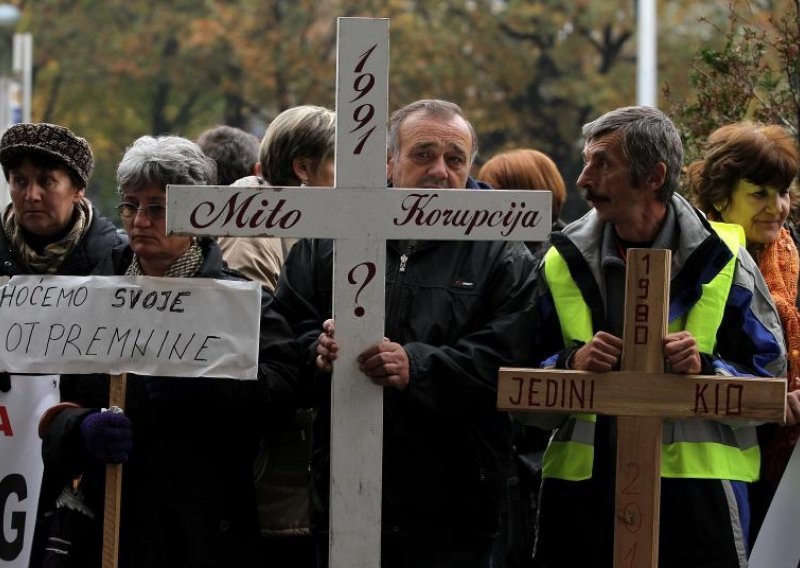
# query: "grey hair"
[164,160]
[304,131]
[432,107]
[648,137]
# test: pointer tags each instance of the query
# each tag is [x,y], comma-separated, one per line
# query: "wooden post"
[638,478]
[112,507]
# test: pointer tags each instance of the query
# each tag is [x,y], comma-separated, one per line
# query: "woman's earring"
[303,182]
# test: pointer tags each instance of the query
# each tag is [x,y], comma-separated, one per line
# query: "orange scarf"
[780,266]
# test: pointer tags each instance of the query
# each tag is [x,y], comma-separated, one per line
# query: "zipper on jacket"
[393,305]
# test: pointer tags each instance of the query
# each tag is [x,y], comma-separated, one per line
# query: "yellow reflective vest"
[702,449]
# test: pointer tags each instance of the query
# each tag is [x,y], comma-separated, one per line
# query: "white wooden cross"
[641,395]
[360,214]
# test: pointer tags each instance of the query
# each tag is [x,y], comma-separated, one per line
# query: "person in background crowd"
[746,177]
[188,495]
[633,159]
[50,227]
[456,312]
[233,150]
[527,169]
[236,154]
[297,149]
[524,169]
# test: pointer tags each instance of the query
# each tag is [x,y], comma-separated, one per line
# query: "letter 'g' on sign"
[11,542]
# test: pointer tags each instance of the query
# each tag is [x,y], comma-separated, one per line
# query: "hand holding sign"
[107,435]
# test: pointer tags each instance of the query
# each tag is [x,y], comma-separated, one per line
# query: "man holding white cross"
[721,321]
[455,312]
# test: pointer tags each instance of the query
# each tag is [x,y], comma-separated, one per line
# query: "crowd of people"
[460,489]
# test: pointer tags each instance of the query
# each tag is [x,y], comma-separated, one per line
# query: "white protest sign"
[21,464]
[360,213]
[184,327]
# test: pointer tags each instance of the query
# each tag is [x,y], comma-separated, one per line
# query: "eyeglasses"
[153,211]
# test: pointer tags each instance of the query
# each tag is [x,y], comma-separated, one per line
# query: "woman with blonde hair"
[296,150]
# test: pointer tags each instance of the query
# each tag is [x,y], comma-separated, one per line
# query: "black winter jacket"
[188,496]
[97,243]
[461,310]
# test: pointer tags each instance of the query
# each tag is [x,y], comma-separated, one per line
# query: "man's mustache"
[590,195]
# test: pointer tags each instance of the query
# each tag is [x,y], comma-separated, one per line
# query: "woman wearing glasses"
[188,493]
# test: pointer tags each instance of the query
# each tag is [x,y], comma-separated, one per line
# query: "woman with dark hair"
[188,495]
[747,177]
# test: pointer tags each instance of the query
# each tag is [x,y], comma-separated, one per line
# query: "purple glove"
[107,436]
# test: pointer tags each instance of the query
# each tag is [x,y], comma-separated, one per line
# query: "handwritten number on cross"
[363,114]
[642,309]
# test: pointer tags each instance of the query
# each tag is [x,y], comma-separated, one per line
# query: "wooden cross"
[641,394]
[360,214]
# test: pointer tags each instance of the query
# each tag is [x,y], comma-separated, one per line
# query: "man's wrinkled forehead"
[606,141]
[425,130]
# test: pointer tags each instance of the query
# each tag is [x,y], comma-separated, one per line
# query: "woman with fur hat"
[50,227]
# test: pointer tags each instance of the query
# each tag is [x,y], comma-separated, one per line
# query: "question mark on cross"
[359,311]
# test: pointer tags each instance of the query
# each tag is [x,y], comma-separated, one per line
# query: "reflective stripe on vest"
[691,449]
[569,302]
[571,450]
[705,317]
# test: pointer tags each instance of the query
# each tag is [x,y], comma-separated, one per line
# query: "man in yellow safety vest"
[722,321]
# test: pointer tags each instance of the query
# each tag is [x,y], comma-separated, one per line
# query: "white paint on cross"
[360,215]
